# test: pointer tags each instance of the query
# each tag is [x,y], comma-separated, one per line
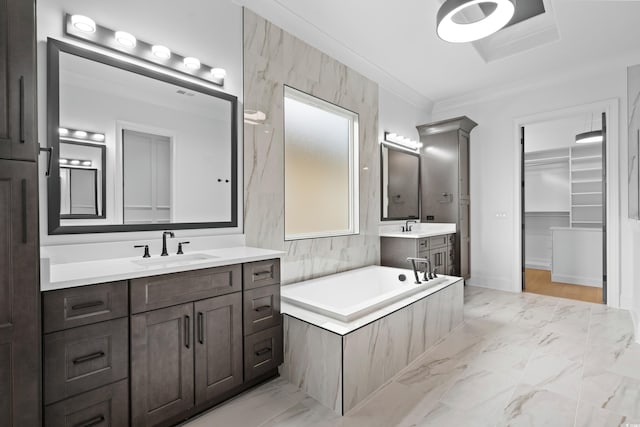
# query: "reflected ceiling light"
[80,134]
[455,32]
[218,73]
[86,163]
[191,63]
[402,141]
[587,137]
[75,162]
[126,39]
[63,131]
[98,136]
[160,51]
[64,161]
[83,23]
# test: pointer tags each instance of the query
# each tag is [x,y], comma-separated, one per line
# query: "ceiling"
[394,42]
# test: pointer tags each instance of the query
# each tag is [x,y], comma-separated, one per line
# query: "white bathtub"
[355,293]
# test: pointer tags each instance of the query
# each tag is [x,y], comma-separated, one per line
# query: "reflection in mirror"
[82,180]
[400,183]
[321,168]
[171,151]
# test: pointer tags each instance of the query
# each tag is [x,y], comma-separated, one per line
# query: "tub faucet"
[407,225]
[416,270]
[164,242]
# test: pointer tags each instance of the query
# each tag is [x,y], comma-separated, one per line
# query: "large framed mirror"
[400,183]
[168,147]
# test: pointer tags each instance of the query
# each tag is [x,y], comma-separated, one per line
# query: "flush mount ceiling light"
[84,28]
[450,30]
[126,39]
[587,137]
[83,23]
[160,51]
[192,63]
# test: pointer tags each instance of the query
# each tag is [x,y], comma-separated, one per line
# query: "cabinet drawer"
[452,239]
[104,407]
[150,293]
[261,273]
[423,244]
[68,308]
[262,352]
[80,359]
[438,241]
[261,308]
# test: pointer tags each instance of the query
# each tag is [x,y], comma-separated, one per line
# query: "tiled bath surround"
[273,58]
[341,371]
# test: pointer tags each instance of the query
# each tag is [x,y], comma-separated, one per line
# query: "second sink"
[173,260]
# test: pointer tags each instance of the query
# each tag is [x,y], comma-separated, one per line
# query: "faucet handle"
[146,250]
[180,247]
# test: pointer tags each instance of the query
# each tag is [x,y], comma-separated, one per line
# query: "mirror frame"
[102,184]
[382,173]
[54,48]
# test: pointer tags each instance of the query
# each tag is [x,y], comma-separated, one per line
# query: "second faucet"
[164,242]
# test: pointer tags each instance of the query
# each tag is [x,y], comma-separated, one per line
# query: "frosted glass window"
[320,168]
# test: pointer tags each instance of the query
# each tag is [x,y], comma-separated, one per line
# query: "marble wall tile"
[313,362]
[377,352]
[274,58]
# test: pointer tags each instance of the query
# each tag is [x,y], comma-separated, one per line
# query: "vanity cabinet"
[440,249]
[86,355]
[18,139]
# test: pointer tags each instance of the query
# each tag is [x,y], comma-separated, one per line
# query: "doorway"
[563,206]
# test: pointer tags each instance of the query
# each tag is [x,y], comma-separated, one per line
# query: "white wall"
[209,30]
[494,171]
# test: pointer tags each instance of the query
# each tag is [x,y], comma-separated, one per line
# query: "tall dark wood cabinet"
[20,363]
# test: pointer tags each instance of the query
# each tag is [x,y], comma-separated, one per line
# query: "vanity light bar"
[75,162]
[401,140]
[81,135]
[124,42]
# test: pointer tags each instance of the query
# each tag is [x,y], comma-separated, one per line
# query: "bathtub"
[350,295]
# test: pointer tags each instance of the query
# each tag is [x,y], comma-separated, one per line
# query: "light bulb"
[64,161]
[218,73]
[63,131]
[83,23]
[126,39]
[86,163]
[75,162]
[192,63]
[98,136]
[80,134]
[161,52]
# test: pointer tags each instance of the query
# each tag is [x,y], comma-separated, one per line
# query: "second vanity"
[158,342]
[435,242]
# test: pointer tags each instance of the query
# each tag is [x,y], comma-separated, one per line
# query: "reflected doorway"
[564,208]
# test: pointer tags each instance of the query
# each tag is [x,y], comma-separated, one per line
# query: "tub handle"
[262,308]
[263,351]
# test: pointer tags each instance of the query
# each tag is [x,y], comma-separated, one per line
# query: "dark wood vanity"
[157,350]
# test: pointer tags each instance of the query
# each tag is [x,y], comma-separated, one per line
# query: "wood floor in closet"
[539,282]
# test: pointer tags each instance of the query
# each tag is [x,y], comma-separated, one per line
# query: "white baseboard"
[538,264]
[497,283]
[577,280]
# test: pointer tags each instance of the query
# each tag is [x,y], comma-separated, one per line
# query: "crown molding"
[285,18]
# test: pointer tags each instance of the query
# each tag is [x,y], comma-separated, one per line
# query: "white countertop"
[343,328]
[71,274]
[418,230]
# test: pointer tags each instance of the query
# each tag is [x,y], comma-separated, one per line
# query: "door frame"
[610,107]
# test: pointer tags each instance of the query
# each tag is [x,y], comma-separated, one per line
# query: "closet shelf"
[585,181]
[586,206]
[594,157]
[586,193]
[586,222]
[587,170]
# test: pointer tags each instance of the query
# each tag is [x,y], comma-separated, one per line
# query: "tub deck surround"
[418,231]
[69,274]
[341,363]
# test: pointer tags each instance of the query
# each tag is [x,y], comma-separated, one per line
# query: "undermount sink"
[173,260]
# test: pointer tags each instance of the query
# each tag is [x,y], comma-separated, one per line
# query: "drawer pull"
[21,112]
[92,422]
[263,351]
[87,305]
[200,327]
[88,357]
[262,275]
[262,308]
[187,331]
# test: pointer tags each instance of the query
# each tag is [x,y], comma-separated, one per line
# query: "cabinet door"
[439,259]
[17,80]
[161,364]
[19,295]
[218,346]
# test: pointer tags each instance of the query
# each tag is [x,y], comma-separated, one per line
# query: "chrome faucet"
[427,274]
[407,225]
[164,242]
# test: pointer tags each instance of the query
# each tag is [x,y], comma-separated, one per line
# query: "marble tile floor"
[518,360]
